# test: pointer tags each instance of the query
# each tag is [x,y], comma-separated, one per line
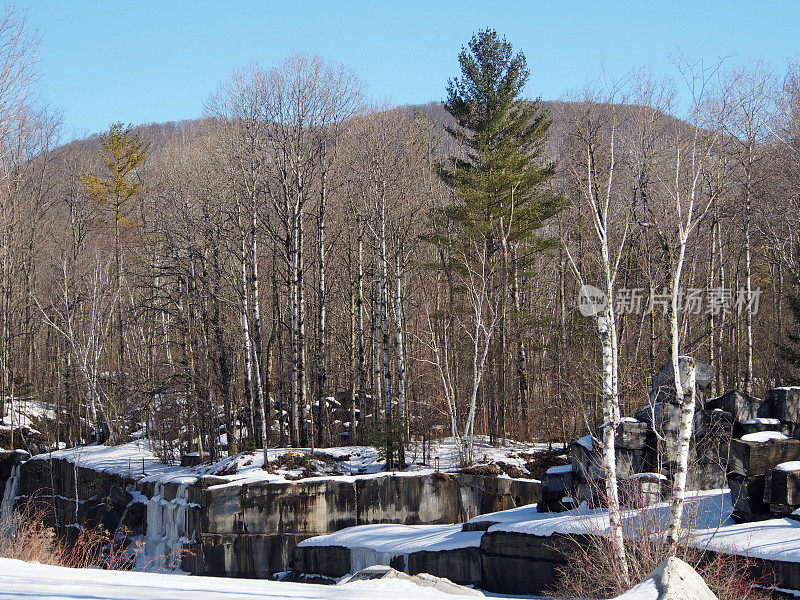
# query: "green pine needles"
[499,180]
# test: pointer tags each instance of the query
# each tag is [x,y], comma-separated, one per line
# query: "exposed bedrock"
[250,529]
[505,562]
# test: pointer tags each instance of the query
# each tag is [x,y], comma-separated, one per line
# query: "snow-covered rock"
[378,572]
[671,580]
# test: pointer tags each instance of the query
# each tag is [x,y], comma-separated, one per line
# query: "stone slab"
[756,458]
[784,404]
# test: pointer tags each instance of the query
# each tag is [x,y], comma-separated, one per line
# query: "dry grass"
[27,537]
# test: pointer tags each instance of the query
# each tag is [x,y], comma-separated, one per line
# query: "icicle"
[10,496]
[167,532]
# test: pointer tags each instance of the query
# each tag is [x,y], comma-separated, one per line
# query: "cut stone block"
[661,416]
[747,496]
[763,424]
[630,462]
[782,484]
[704,374]
[714,437]
[643,489]
[784,404]
[781,510]
[707,475]
[632,434]
[665,454]
[558,482]
[742,406]
[665,418]
[565,504]
[586,462]
[753,458]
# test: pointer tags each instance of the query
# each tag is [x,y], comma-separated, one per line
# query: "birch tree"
[686,202]
[595,134]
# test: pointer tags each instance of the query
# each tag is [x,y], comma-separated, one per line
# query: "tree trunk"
[260,401]
[607,331]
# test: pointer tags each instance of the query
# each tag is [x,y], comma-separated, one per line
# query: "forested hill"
[208,290]
[159,134]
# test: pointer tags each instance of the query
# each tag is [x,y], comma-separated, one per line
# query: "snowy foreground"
[24,581]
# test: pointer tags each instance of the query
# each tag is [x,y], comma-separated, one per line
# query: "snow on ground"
[774,539]
[764,436]
[24,581]
[707,513]
[22,413]
[706,510]
[400,539]
[136,461]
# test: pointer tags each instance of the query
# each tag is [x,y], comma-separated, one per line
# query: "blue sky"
[149,61]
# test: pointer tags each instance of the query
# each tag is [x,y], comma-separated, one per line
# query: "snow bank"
[133,460]
[559,470]
[774,539]
[23,581]
[762,421]
[370,577]
[792,465]
[136,461]
[709,509]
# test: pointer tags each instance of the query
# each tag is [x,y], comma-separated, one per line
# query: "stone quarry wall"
[251,529]
[504,563]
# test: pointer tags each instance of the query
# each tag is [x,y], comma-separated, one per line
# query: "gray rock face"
[251,530]
[6,464]
[742,406]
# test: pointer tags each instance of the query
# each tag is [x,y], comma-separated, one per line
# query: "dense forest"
[306,267]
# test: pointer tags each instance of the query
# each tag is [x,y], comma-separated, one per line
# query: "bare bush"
[28,537]
[592,570]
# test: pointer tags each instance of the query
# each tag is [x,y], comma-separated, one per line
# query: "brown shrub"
[490,470]
[593,571]
[26,536]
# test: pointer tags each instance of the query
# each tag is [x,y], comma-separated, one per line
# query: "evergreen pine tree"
[499,181]
[501,201]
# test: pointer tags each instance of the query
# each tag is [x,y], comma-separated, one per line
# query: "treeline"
[303,267]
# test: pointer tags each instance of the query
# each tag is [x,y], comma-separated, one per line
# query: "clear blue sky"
[148,61]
